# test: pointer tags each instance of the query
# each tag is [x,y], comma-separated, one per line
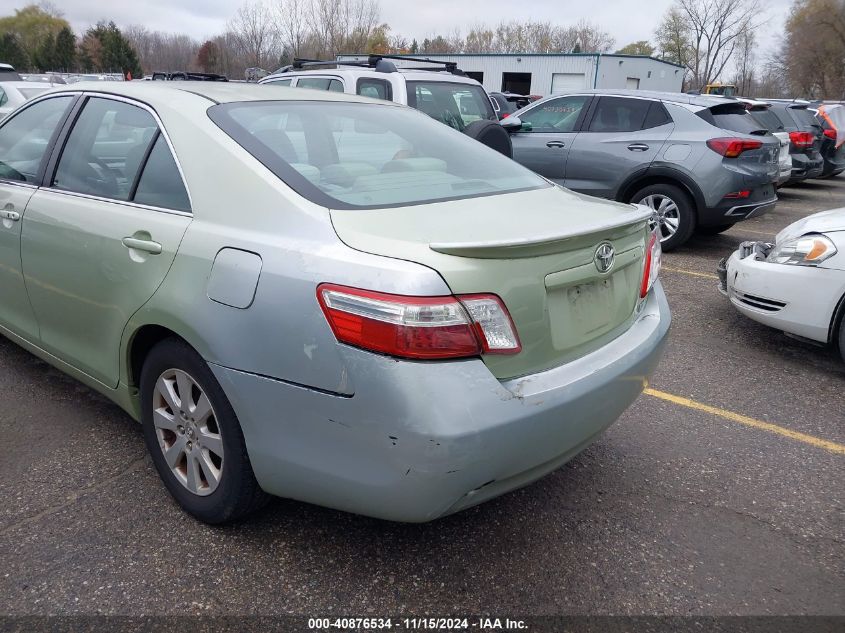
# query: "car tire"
[842,339]
[713,230]
[678,220]
[196,444]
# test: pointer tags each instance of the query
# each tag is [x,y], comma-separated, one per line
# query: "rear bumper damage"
[419,440]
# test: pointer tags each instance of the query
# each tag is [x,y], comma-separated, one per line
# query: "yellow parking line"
[833,447]
[689,272]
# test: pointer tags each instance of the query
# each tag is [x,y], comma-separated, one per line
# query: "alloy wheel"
[666,214]
[187,431]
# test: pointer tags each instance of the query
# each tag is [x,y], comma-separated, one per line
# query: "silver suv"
[700,162]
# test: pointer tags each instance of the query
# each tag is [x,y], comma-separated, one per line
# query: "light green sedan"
[320,296]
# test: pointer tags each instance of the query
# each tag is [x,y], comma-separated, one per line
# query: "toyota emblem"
[604,257]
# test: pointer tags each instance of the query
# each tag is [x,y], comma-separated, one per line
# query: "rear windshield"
[803,117]
[767,119]
[733,117]
[456,105]
[29,93]
[345,155]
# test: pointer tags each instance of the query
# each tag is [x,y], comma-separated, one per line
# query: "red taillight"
[732,147]
[507,114]
[830,134]
[419,327]
[802,139]
[651,265]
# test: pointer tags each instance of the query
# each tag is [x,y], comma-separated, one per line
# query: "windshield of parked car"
[346,155]
[767,119]
[733,117]
[455,104]
[803,117]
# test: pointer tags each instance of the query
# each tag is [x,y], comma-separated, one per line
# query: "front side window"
[105,150]
[455,104]
[615,114]
[25,137]
[364,156]
[555,115]
[4,98]
[279,82]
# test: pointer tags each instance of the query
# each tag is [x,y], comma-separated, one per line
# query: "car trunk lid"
[536,250]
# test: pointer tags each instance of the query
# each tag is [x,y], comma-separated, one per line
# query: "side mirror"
[514,124]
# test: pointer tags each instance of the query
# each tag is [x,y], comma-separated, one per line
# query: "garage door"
[566,82]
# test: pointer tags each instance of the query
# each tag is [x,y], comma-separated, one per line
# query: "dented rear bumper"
[419,440]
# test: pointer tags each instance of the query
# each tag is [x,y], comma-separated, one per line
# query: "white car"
[14,93]
[796,284]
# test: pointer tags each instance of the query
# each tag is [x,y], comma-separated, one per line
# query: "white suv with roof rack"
[436,88]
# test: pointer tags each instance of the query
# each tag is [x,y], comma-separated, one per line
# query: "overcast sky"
[625,20]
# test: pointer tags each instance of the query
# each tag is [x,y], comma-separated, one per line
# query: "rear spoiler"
[527,247]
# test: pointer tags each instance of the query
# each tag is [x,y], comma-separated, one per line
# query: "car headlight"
[807,250]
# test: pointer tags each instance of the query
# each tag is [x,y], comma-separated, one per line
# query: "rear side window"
[4,98]
[375,88]
[455,104]
[767,119]
[160,184]
[320,83]
[615,114]
[24,138]
[657,116]
[105,149]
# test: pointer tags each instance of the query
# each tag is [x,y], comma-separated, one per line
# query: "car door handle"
[14,216]
[148,246]
[638,147]
[557,144]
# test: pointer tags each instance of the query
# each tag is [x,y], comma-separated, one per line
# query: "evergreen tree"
[45,55]
[11,52]
[65,55]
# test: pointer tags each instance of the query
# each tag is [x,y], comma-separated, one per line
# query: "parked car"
[796,284]
[48,78]
[8,73]
[366,325]
[805,134]
[832,119]
[700,162]
[14,93]
[439,89]
[182,75]
[768,120]
[506,103]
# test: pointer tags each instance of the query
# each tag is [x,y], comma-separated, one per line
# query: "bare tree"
[254,30]
[744,62]
[292,25]
[708,31]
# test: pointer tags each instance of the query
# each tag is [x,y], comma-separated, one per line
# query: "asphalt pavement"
[719,492]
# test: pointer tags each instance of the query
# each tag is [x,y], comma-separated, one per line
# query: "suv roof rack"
[380,63]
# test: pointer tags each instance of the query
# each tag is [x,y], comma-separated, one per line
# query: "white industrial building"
[552,73]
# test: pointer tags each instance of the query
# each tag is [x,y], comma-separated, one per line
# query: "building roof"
[436,55]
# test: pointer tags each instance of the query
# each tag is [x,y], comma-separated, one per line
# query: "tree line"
[713,40]
[38,39]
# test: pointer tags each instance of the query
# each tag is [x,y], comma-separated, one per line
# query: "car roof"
[351,72]
[153,92]
[705,101]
